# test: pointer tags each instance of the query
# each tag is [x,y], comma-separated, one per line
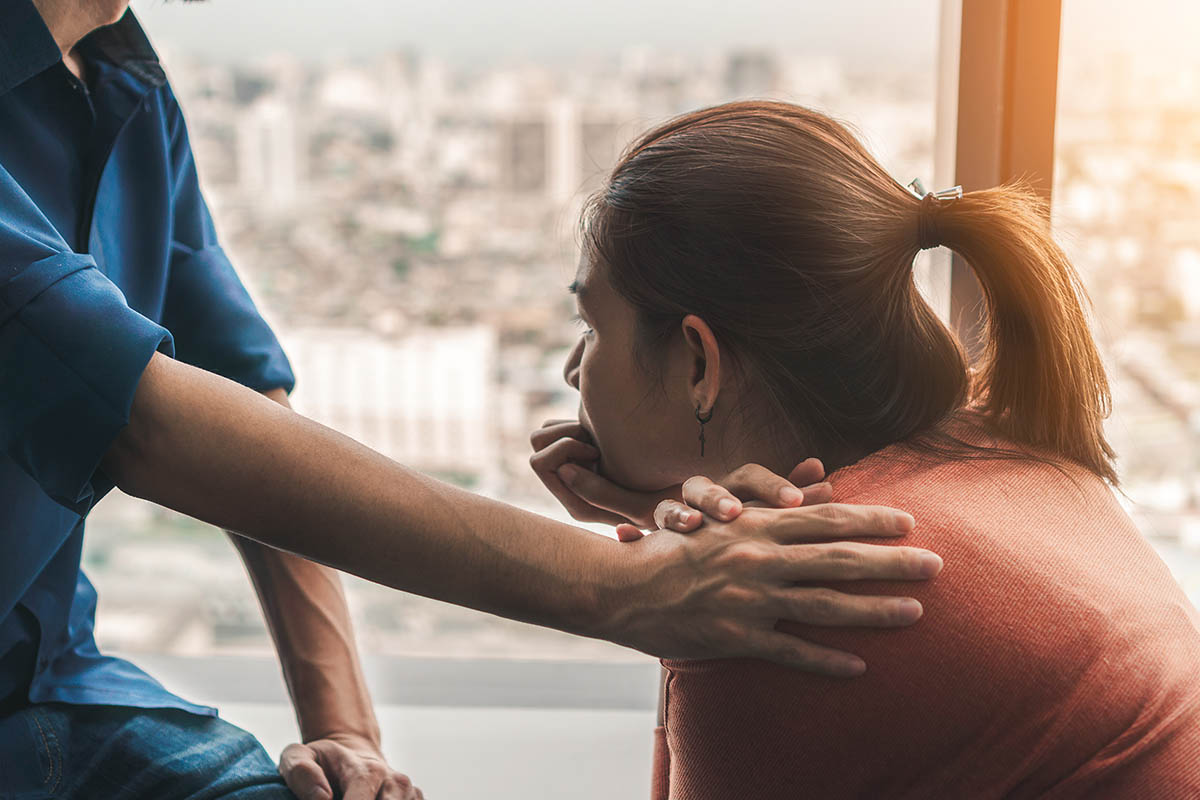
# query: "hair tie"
[928,235]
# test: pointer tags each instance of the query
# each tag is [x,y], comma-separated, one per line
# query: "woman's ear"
[705,379]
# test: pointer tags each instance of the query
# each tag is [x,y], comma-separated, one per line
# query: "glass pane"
[399,184]
[1126,201]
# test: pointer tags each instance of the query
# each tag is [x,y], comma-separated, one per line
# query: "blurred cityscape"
[409,228]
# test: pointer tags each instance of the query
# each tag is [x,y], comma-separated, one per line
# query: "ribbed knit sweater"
[1057,657]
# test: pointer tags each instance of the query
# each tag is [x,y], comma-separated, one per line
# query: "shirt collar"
[27,47]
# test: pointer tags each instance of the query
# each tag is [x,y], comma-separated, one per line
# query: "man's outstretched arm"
[222,453]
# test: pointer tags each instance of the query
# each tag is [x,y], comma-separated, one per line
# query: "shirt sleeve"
[71,354]
[215,323]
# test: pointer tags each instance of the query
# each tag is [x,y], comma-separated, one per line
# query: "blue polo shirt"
[107,254]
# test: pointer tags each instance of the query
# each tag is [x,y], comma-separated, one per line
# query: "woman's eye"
[582,323]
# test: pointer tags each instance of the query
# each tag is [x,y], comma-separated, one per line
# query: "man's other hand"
[343,767]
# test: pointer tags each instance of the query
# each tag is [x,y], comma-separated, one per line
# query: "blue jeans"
[69,752]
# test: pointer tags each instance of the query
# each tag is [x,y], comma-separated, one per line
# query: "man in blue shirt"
[132,356]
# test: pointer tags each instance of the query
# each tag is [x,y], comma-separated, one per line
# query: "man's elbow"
[132,460]
[129,463]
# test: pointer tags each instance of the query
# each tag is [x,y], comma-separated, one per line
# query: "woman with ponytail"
[747,294]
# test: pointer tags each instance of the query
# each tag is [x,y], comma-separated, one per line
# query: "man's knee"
[136,754]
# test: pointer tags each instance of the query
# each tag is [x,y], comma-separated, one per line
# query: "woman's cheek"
[598,394]
[614,426]
[589,383]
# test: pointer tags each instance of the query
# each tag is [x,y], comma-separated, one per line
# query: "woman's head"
[755,260]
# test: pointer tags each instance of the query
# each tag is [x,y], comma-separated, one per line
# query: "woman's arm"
[222,453]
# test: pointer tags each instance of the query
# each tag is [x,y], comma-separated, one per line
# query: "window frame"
[996,105]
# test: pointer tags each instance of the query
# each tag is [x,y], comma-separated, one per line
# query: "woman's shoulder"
[964,467]
[1007,514]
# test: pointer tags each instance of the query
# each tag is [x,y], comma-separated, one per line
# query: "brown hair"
[775,225]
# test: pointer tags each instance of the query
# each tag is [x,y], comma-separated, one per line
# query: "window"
[406,219]
[399,186]
[1126,198]
[400,193]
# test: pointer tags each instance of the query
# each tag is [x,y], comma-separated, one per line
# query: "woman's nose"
[571,370]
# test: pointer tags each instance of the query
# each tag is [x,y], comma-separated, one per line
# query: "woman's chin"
[635,480]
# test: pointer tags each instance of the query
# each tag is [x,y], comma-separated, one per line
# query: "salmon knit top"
[1057,657]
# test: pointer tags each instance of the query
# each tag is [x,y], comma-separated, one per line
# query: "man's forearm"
[206,447]
[306,612]
[305,609]
[221,453]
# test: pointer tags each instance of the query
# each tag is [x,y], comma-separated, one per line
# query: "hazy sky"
[489,30]
[869,33]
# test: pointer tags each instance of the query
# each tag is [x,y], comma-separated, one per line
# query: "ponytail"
[776,226]
[1041,381]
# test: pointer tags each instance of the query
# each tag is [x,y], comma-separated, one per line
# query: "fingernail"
[318,794]
[726,507]
[931,563]
[568,473]
[854,667]
[791,496]
[908,608]
[689,517]
[905,522]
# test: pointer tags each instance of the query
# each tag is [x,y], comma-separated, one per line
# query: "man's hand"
[724,588]
[825,562]
[343,766]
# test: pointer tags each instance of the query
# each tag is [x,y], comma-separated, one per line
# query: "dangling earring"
[703,420]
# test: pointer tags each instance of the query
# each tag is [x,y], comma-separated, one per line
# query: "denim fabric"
[69,752]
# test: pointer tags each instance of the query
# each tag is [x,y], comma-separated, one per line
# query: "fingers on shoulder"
[797,653]
[841,521]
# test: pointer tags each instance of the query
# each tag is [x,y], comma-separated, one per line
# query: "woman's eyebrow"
[580,291]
